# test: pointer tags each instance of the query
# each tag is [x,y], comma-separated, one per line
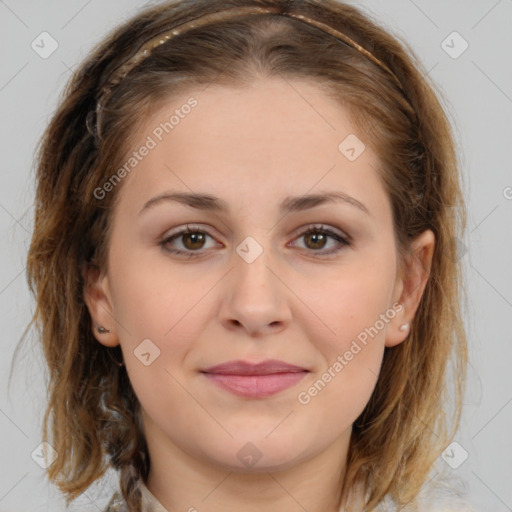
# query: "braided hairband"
[145,50]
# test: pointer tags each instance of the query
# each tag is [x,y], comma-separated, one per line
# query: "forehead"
[273,137]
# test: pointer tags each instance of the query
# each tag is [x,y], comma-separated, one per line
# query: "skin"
[252,147]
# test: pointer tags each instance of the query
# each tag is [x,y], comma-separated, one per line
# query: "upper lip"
[268,367]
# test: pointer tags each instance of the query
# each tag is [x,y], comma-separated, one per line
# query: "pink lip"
[255,380]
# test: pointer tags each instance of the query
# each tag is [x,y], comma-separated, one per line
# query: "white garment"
[149,502]
[436,502]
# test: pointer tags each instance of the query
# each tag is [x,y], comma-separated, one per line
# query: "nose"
[255,300]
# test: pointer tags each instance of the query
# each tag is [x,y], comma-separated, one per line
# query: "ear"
[410,285]
[98,300]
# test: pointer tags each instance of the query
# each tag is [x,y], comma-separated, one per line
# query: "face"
[218,256]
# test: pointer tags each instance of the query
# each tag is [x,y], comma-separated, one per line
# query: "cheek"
[152,297]
[170,317]
[348,330]
[345,378]
[348,307]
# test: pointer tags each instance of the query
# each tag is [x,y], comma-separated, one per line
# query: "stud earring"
[404,327]
[102,330]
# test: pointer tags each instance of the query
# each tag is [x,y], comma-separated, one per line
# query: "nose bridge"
[255,299]
[253,264]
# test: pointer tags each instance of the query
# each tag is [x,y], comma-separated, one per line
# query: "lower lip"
[256,386]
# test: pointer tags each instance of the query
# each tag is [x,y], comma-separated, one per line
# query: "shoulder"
[443,493]
[148,501]
[448,507]
[116,504]
[456,507]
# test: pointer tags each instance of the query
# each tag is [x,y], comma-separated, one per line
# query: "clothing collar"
[148,501]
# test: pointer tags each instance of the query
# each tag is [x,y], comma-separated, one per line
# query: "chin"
[260,455]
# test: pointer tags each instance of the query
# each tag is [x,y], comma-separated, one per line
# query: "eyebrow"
[290,204]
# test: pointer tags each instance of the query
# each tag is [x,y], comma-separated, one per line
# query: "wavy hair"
[93,416]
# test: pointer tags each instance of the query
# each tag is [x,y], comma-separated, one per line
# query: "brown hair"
[93,413]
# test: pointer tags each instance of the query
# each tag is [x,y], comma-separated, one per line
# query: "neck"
[182,482]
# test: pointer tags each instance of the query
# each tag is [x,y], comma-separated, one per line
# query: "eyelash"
[320,229]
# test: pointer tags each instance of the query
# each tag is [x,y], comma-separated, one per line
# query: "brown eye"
[322,240]
[315,240]
[188,242]
[193,240]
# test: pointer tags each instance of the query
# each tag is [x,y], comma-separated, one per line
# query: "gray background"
[478,90]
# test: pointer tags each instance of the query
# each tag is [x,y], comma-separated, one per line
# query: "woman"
[243,260]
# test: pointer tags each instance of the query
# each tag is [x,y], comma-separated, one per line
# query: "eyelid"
[323,227]
[342,239]
[339,236]
[176,233]
[185,228]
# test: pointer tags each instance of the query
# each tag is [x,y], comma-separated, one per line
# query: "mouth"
[255,380]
